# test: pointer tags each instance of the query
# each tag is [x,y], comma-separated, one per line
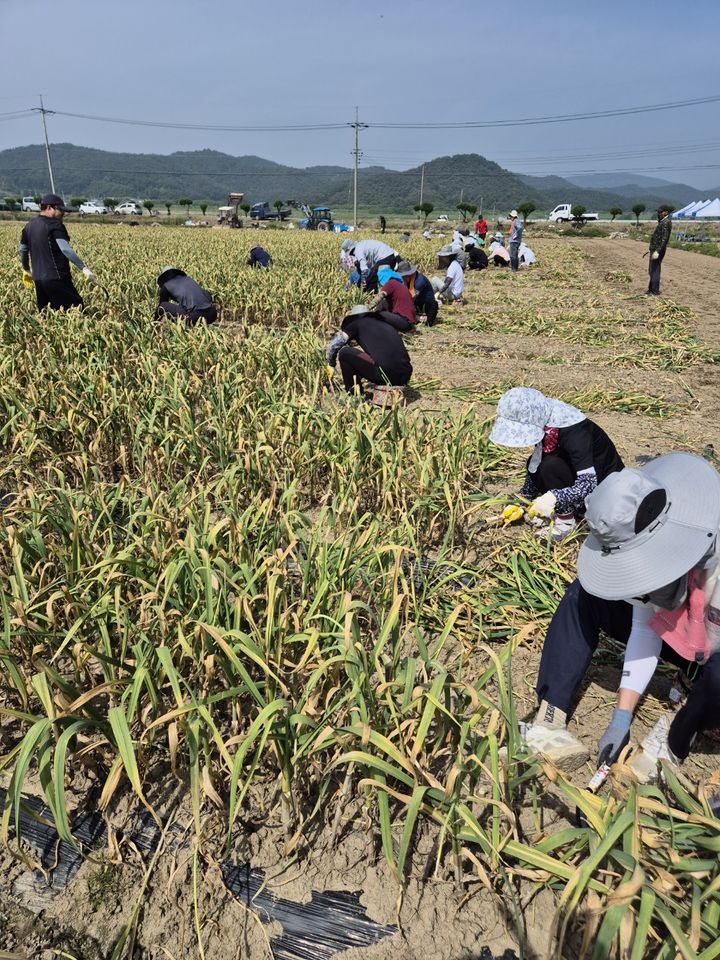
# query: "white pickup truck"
[562,214]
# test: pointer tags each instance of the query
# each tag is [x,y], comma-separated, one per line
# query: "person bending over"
[420,290]
[181,296]
[571,456]
[381,357]
[395,305]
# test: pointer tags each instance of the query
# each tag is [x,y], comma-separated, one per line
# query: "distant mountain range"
[211,175]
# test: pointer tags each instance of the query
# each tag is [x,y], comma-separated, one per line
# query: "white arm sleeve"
[642,653]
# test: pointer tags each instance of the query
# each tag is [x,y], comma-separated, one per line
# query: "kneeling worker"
[190,300]
[572,455]
[649,576]
[420,290]
[382,358]
[395,305]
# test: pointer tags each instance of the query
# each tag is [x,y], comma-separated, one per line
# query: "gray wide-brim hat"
[679,494]
[167,273]
[405,268]
[446,251]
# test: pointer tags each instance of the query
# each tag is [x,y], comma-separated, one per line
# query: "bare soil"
[436,921]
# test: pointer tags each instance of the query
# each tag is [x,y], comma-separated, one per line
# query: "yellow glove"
[27,280]
[330,371]
[511,514]
[543,506]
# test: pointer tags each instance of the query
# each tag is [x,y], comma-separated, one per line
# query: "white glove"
[655,255]
[88,274]
[438,298]
[543,506]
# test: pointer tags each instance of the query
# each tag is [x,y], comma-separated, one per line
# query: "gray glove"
[615,737]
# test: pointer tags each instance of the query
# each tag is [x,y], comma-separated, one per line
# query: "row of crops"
[213,569]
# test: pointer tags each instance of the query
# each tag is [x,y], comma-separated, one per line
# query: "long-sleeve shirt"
[45,242]
[661,235]
[370,252]
[379,340]
[185,291]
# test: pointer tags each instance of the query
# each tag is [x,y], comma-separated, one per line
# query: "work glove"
[88,274]
[329,371]
[27,280]
[543,506]
[615,737]
[512,514]
[655,255]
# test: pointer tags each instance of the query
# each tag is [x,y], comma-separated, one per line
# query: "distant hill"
[634,186]
[611,181]
[210,175]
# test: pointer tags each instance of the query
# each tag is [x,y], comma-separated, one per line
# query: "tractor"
[316,218]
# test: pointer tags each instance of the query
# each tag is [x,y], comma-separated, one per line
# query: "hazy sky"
[282,62]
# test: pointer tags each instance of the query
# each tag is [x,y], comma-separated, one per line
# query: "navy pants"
[654,271]
[514,250]
[572,639]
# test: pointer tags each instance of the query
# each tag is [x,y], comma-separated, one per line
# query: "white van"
[29,204]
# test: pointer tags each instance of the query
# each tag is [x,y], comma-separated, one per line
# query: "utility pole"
[42,111]
[356,153]
[422,183]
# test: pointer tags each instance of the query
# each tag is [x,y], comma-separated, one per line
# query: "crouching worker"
[181,296]
[395,305]
[649,576]
[259,258]
[572,456]
[453,286]
[420,290]
[381,359]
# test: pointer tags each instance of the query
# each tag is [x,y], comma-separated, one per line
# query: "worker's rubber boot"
[549,737]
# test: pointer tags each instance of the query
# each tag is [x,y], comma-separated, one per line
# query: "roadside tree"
[525,209]
[615,212]
[637,209]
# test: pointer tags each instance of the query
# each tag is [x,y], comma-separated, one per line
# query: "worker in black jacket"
[181,296]
[382,357]
[658,245]
[259,257]
[420,289]
[45,242]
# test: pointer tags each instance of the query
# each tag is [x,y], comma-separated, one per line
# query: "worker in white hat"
[648,576]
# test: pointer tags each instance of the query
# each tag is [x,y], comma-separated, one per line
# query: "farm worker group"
[45,250]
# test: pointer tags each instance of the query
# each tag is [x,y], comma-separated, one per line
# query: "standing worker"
[382,358]
[514,240]
[658,245]
[190,300]
[369,255]
[45,243]
[383,224]
[481,227]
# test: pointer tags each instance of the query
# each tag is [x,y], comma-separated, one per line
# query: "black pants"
[654,271]
[429,307]
[357,366]
[57,294]
[394,319]
[571,640]
[371,280]
[209,314]
[553,473]
[499,261]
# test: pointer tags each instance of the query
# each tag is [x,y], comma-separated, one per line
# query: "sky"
[284,63]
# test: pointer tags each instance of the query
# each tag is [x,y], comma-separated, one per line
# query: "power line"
[226,128]
[559,118]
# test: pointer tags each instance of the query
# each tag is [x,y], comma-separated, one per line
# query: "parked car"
[443,216]
[129,207]
[6,206]
[92,206]
[29,204]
